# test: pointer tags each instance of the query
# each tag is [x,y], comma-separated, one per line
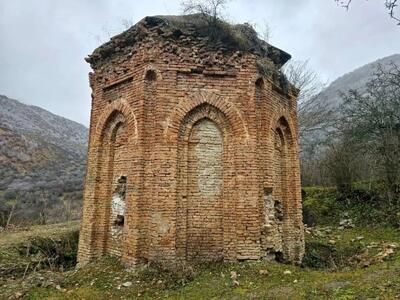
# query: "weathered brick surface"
[204,191]
[207,146]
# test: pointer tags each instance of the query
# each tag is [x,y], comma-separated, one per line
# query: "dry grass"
[14,237]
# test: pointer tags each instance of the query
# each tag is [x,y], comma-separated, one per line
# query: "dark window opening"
[151,75]
[260,83]
[279,257]
[278,211]
[122,179]
[119,221]
[121,187]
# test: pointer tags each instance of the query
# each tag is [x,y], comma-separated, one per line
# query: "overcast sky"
[43,42]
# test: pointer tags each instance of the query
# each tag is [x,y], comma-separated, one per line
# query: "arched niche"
[204,191]
[283,157]
[110,190]
[205,166]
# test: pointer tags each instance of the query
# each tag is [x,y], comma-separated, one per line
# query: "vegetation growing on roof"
[196,29]
[221,36]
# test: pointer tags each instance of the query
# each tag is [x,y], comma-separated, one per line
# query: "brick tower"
[193,151]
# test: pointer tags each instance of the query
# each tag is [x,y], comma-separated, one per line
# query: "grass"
[104,279]
[32,250]
[22,235]
[352,263]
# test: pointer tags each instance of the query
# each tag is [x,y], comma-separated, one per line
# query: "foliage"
[56,253]
[322,255]
[328,272]
[329,248]
[363,203]
[341,162]
[41,206]
[320,206]
[42,162]
[37,248]
[372,121]
[364,142]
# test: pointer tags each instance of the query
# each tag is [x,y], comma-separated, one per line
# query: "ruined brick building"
[193,150]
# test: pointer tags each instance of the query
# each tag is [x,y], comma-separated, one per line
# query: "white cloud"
[43,42]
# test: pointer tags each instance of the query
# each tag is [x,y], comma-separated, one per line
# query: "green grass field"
[342,264]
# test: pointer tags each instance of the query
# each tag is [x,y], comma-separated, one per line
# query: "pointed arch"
[285,192]
[199,98]
[112,164]
[122,107]
[206,166]
[115,135]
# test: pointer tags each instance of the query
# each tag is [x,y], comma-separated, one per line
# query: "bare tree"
[372,119]
[340,160]
[43,207]
[391,6]
[9,205]
[314,115]
[211,10]
[315,119]
[266,33]
[12,204]
[67,207]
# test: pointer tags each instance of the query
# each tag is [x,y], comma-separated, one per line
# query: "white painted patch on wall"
[272,228]
[117,205]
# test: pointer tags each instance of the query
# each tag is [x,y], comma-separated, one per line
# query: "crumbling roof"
[223,36]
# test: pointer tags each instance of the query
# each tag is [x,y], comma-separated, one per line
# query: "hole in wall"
[151,75]
[119,220]
[118,202]
[278,210]
[279,257]
[260,83]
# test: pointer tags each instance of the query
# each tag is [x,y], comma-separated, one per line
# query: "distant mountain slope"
[28,119]
[355,79]
[42,159]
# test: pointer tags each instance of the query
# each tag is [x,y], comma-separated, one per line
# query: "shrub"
[52,253]
[320,255]
[365,204]
[320,206]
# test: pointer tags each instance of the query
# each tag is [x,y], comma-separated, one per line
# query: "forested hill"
[42,162]
[355,80]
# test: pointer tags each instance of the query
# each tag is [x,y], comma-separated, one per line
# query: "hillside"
[42,162]
[355,80]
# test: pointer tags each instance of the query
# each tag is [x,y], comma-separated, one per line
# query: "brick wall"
[204,191]
[208,149]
